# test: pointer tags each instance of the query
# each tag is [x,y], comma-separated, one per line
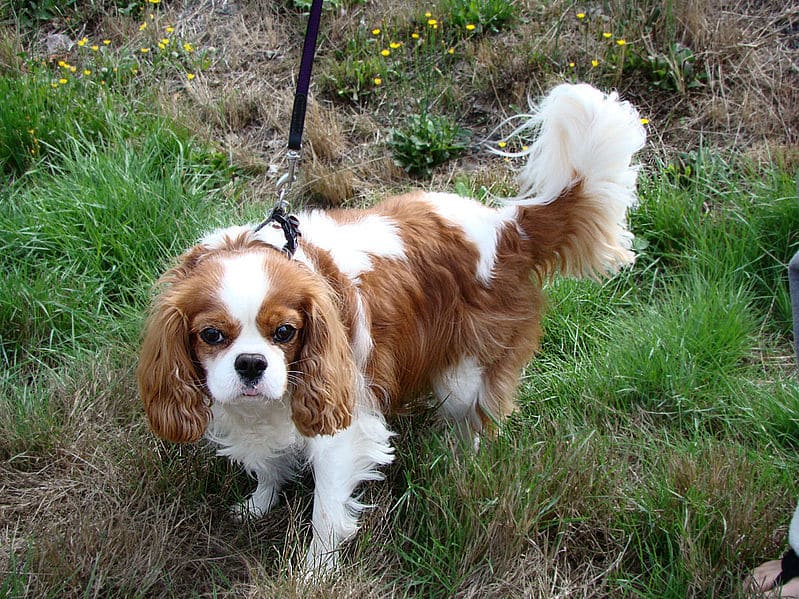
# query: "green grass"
[655,451]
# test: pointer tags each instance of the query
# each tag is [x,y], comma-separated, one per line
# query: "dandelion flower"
[451,51]
[83,41]
[106,42]
[376,31]
[644,121]
[502,144]
[169,29]
[415,35]
[190,76]
[525,148]
[377,81]
[63,81]
[165,41]
[145,50]
[428,14]
[395,45]
[470,27]
[87,72]
[621,42]
[95,48]
[63,64]
[143,26]
[581,15]
[595,63]
[571,64]
[154,1]
[53,84]
[188,47]
[432,22]
[385,52]
[73,68]
[607,34]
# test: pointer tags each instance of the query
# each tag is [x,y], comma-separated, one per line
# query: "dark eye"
[212,336]
[284,333]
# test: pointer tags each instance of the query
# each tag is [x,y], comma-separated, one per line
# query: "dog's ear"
[323,398]
[169,378]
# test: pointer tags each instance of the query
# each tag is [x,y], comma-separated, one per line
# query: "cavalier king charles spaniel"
[285,362]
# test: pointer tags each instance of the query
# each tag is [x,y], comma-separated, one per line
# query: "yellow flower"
[595,63]
[394,45]
[143,26]
[169,29]
[451,51]
[377,81]
[73,68]
[161,46]
[432,22]
[606,34]
[428,14]
[621,42]
[153,1]
[95,48]
[188,47]
[106,42]
[385,52]
[525,148]
[470,27]
[581,15]
[53,84]
[83,41]
[376,31]
[87,72]
[415,35]
[502,144]
[145,50]
[165,41]
[189,76]
[63,81]
[644,121]
[571,64]
[63,64]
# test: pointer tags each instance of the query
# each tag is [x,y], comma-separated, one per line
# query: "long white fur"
[587,137]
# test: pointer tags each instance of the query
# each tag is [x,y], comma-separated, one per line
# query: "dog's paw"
[252,508]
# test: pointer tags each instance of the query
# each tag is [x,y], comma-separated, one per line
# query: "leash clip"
[280,213]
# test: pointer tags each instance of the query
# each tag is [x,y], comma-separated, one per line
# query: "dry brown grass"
[747,51]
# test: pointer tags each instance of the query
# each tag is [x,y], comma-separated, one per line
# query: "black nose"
[250,367]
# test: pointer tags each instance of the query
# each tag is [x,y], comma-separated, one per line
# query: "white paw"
[319,564]
[253,508]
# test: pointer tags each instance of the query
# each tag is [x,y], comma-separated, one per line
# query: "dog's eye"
[212,336]
[284,333]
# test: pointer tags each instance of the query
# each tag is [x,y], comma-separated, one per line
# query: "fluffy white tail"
[579,169]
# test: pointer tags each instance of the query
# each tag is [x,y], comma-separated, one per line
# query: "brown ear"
[323,398]
[168,378]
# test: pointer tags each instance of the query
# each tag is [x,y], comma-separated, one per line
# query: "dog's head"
[238,321]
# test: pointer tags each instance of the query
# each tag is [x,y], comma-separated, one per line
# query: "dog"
[287,361]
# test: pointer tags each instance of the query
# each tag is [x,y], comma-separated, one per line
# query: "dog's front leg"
[340,463]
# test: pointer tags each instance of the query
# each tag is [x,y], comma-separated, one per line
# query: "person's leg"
[793,285]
